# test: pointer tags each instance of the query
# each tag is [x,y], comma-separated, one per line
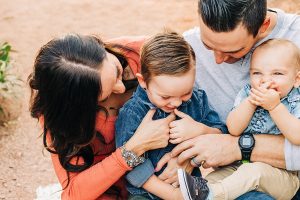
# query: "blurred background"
[26,26]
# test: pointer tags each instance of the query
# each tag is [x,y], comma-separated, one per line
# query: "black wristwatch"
[246,144]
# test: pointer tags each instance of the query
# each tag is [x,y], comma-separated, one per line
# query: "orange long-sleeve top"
[109,166]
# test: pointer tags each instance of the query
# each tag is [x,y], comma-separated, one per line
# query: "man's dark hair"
[226,15]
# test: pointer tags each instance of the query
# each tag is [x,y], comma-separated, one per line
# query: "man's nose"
[220,57]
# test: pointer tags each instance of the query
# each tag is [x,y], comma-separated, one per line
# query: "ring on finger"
[197,164]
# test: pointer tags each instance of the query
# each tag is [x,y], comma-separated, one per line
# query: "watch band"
[131,158]
[246,154]
[246,149]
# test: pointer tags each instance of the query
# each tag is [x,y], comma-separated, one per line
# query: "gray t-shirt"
[222,82]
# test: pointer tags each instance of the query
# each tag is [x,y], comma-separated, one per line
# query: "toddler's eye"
[165,98]
[256,73]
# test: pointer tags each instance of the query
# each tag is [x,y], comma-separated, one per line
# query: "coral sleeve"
[94,181]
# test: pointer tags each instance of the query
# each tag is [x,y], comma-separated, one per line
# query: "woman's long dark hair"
[65,86]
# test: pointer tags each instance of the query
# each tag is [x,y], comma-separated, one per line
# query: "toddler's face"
[167,92]
[274,66]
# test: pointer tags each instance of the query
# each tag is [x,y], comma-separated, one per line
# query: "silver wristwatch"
[131,158]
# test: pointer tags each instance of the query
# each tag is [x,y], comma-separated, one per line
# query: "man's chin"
[232,60]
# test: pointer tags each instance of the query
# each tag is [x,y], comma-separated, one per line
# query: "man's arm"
[223,149]
[269,149]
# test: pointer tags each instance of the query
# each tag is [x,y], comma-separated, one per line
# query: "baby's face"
[273,66]
[167,92]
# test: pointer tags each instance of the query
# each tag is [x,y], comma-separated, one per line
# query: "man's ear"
[297,80]
[266,24]
[141,80]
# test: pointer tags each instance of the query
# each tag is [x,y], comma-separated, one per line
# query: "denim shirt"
[132,114]
[261,122]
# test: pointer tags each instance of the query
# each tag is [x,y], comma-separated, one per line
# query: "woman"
[76,90]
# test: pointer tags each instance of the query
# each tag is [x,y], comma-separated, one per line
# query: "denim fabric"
[297,195]
[261,121]
[255,195]
[133,112]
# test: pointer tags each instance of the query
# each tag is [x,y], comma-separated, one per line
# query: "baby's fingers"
[254,102]
[176,141]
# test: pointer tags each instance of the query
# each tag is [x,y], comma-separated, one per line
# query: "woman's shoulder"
[134,42]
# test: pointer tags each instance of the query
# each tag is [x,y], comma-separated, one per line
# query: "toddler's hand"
[183,129]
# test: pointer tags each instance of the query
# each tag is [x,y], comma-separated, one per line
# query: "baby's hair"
[283,44]
[166,53]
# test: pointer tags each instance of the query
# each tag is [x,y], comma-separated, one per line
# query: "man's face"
[228,47]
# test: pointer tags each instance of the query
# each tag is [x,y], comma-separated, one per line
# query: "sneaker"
[192,188]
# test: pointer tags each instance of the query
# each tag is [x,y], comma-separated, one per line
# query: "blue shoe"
[192,188]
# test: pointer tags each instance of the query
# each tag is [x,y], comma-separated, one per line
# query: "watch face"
[246,142]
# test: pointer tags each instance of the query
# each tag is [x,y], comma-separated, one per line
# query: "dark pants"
[297,195]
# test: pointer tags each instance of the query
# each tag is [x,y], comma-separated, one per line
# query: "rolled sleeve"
[140,174]
[292,155]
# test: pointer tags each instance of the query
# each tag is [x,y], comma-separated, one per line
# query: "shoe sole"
[182,182]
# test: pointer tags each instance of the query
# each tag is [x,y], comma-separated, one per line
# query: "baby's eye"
[278,73]
[256,73]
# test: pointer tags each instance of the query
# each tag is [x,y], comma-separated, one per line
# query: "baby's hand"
[183,129]
[266,98]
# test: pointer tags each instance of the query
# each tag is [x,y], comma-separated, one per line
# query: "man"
[229,30]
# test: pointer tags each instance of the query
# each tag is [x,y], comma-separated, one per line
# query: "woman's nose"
[119,87]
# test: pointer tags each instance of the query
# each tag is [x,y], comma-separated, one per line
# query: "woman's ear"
[297,80]
[141,80]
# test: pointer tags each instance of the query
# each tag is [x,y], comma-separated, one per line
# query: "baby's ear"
[297,81]
[141,80]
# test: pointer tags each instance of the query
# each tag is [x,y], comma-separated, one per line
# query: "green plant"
[4,60]
[8,82]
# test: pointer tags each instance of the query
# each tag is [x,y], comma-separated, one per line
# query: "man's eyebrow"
[234,51]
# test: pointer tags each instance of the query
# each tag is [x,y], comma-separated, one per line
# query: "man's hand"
[215,149]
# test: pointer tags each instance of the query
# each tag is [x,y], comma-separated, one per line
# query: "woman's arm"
[92,182]
[239,118]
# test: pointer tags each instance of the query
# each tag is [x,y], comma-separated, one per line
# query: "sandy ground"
[27,25]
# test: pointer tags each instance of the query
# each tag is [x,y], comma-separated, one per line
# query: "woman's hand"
[169,175]
[151,134]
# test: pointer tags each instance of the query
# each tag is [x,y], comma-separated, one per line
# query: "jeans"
[255,195]
[297,196]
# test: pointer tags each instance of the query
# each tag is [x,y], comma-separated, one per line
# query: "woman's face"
[111,77]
